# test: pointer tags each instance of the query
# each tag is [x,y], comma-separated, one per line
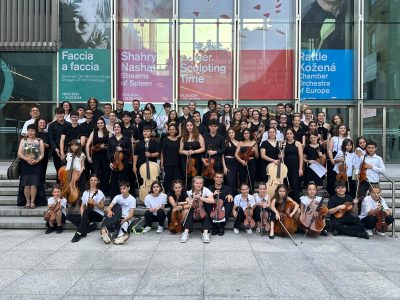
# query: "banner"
[326,74]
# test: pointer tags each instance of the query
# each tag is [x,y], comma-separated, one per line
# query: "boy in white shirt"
[119,216]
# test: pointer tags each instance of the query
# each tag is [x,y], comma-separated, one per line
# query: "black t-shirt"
[182,197]
[224,191]
[335,200]
[170,150]
[71,133]
[87,128]
[154,147]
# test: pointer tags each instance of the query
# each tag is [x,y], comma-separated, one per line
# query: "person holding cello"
[341,206]
[243,205]
[198,196]
[119,149]
[269,152]
[178,199]
[375,212]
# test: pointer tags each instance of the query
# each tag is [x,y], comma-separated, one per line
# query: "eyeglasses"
[89,113]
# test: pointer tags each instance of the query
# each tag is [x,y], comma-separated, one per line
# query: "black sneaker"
[271,237]
[335,232]
[363,235]
[92,227]
[77,237]
[324,232]
[221,232]
[59,229]
[49,230]
[214,231]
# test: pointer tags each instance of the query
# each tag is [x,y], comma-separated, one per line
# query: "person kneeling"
[371,207]
[55,216]
[91,210]
[243,202]
[119,216]
[155,203]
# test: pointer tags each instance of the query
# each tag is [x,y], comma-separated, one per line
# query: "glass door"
[373,126]
[392,135]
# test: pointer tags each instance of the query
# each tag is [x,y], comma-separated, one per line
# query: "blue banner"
[326,74]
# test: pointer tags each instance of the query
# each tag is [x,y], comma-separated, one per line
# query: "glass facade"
[243,52]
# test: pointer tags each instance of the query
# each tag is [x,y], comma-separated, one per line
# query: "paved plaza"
[151,266]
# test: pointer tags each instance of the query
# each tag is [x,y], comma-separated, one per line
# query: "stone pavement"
[38,266]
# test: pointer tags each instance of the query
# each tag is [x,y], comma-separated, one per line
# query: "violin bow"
[133,154]
[283,226]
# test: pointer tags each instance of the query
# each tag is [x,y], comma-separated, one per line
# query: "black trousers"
[240,217]
[101,167]
[57,163]
[370,221]
[116,178]
[330,176]
[348,225]
[114,223]
[228,206]
[205,222]
[150,218]
[82,222]
[257,214]
[171,173]
[294,184]
[244,175]
[231,177]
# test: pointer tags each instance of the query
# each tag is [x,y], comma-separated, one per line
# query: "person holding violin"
[198,196]
[345,162]
[59,205]
[229,162]
[191,147]
[119,149]
[71,131]
[246,153]
[178,200]
[341,206]
[306,202]
[374,210]
[224,199]
[280,205]
[263,204]
[170,157]
[313,152]
[215,148]
[242,211]
[269,152]
[155,203]
[96,149]
[91,209]
[76,160]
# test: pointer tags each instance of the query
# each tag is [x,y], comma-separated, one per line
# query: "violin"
[51,212]
[340,213]
[68,180]
[342,171]
[381,225]
[247,154]
[312,218]
[149,172]
[285,209]
[118,163]
[321,159]
[218,212]
[248,217]
[264,224]
[276,173]
[209,170]
[199,213]
[257,135]
[191,165]
[362,175]
[90,202]
[98,147]
[176,220]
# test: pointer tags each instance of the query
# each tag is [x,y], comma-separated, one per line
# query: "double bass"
[68,180]
[287,225]
[276,173]
[312,219]
[149,172]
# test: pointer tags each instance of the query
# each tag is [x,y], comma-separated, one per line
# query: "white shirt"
[368,203]
[97,198]
[258,199]
[126,203]
[205,193]
[152,202]
[279,136]
[337,143]
[161,121]
[377,169]
[239,201]
[306,200]
[81,120]
[352,162]
[26,124]
[63,204]
[77,162]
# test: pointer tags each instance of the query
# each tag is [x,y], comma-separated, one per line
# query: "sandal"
[33,206]
[27,205]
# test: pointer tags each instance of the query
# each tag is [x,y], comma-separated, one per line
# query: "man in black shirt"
[55,131]
[128,129]
[147,122]
[215,146]
[348,224]
[71,132]
[221,127]
[224,193]
[136,109]
[120,109]
[186,115]
[197,121]
[88,125]
[212,106]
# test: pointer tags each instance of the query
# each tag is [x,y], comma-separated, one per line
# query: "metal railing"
[392,182]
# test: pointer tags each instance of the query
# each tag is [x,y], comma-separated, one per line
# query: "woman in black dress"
[191,146]
[269,152]
[313,151]
[293,158]
[30,153]
[231,165]
[170,157]
[96,149]
[42,134]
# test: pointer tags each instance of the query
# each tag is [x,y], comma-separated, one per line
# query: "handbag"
[13,171]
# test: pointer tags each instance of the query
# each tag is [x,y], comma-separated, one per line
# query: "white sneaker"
[258,230]
[105,236]
[249,231]
[206,238]
[126,237]
[379,233]
[236,230]
[184,237]
[119,240]
[160,229]
[369,231]
[146,229]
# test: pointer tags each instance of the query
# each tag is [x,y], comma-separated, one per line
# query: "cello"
[218,212]
[312,219]
[276,173]
[68,180]
[149,172]
[286,225]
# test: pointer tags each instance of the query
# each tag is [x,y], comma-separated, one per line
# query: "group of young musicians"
[246,163]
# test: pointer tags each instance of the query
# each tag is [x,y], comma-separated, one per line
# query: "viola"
[285,209]
[218,212]
[209,170]
[342,171]
[199,213]
[247,154]
[176,220]
[149,172]
[191,169]
[340,213]
[118,163]
[276,174]
[248,217]
[68,180]
[264,224]
[312,218]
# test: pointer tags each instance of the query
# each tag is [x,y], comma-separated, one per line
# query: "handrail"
[393,235]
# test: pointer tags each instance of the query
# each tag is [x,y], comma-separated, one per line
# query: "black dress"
[292,163]
[312,154]
[249,172]
[232,165]
[171,157]
[101,164]
[192,145]
[273,153]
